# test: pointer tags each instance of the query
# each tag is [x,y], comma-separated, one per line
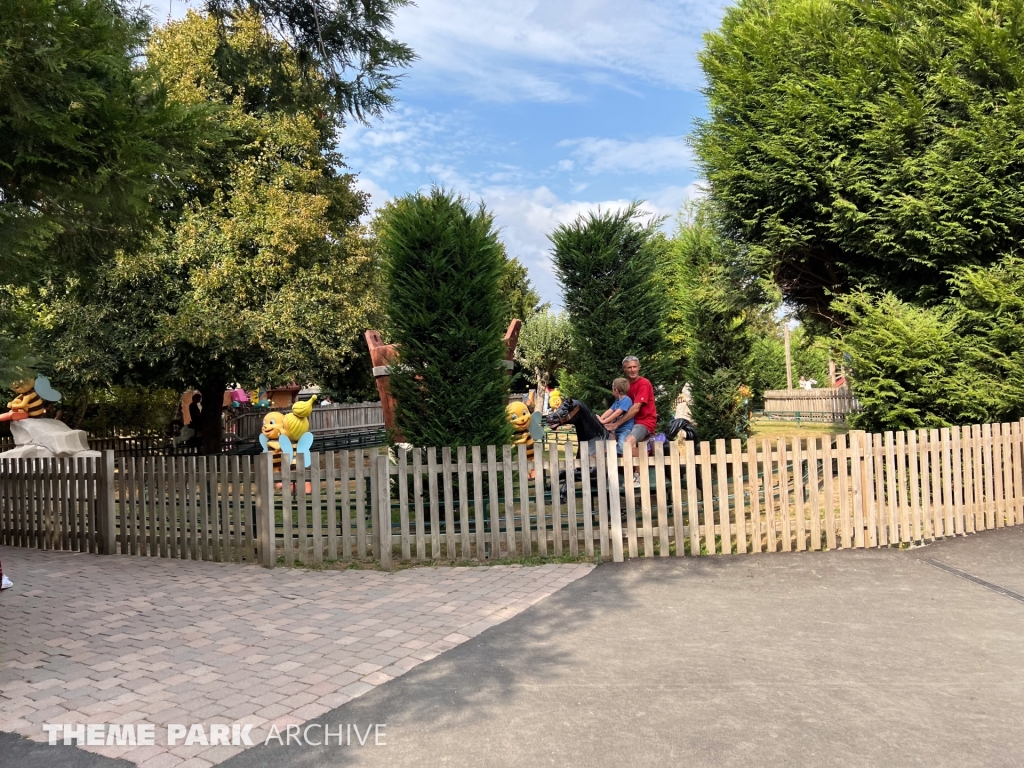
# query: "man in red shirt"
[643,411]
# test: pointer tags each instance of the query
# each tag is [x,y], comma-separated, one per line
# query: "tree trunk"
[212,426]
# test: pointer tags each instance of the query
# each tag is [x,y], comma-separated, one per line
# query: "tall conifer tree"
[610,265]
[444,264]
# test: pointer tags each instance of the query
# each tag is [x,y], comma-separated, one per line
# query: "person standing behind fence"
[620,390]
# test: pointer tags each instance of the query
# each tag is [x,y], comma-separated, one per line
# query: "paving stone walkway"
[91,639]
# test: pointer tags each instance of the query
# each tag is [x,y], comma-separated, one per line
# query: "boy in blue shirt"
[620,390]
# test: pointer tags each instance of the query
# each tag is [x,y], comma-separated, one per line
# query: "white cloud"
[509,49]
[654,155]
[528,216]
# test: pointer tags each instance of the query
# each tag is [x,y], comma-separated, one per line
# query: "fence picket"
[524,501]
[947,482]
[676,490]
[435,512]
[815,495]
[1018,478]
[739,498]
[799,492]
[478,504]
[572,522]
[510,526]
[828,500]
[645,501]
[464,542]
[768,480]
[708,498]
[690,457]
[754,488]
[316,512]
[492,494]
[449,502]
[879,507]
[540,506]
[661,480]
[722,473]
[892,492]
[629,489]
[997,475]
[784,507]
[556,503]
[604,501]
[588,501]
[957,481]
[913,455]
[610,457]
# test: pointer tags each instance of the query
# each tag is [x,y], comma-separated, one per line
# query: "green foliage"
[902,361]
[713,301]
[611,267]
[989,308]
[545,345]
[128,411]
[444,265]
[262,273]
[856,142]
[521,301]
[86,138]
[344,44]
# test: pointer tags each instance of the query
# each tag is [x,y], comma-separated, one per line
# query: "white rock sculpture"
[46,439]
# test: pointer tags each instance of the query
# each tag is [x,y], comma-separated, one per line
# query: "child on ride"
[620,390]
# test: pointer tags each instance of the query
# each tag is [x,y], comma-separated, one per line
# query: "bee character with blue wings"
[288,435]
[31,400]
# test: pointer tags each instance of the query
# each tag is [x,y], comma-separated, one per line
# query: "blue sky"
[543,110]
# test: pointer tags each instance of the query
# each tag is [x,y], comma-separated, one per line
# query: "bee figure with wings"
[288,435]
[31,400]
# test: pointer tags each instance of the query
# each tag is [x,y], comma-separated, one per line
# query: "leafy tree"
[903,360]
[863,143]
[521,300]
[957,363]
[264,275]
[714,296]
[988,305]
[85,137]
[343,44]
[610,266]
[444,265]
[545,345]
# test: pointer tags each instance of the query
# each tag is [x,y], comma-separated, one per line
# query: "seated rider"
[620,390]
[643,410]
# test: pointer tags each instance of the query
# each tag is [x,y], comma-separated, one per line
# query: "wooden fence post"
[380,492]
[266,530]
[106,516]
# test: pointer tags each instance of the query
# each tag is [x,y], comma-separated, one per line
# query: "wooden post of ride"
[789,361]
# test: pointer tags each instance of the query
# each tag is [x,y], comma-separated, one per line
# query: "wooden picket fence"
[781,495]
[489,503]
[53,503]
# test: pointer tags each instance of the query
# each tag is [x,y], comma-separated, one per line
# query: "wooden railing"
[489,503]
[324,420]
[830,403]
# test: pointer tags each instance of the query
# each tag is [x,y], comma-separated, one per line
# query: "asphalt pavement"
[867,657]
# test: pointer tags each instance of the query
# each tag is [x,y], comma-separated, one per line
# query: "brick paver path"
[91,639]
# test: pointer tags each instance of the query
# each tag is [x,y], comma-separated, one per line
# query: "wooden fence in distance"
[813,404]
[324,420]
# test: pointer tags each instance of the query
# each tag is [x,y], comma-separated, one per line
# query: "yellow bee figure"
[519,417]
[288,435]
[31,400]
[554,399]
